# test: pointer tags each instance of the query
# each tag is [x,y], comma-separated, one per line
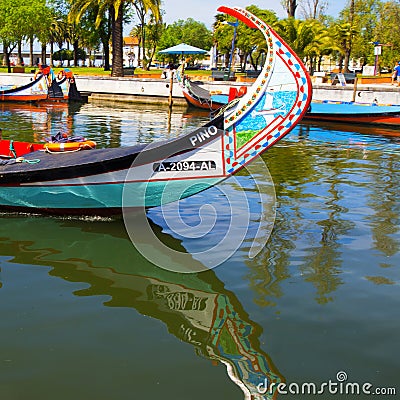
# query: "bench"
[349,77]
[129,71]
[252,74]
[223,75]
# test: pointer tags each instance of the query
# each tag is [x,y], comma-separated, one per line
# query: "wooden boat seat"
[199,92]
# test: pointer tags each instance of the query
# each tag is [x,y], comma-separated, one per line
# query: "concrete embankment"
[157,90]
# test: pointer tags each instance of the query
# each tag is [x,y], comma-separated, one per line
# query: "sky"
[205,10]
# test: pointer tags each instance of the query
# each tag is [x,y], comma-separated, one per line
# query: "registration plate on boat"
[184,166]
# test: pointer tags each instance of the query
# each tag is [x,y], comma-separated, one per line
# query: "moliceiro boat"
[35,90]
[356,113]
[63,86]
[45,85]
[105,181]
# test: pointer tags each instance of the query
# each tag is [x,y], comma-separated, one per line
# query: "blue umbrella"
[183,48]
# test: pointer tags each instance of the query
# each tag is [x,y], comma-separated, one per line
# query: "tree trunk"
[7,52]
[346,60]
[142,44]
[43,60]
[51,53]
[20,60]
[117,43]
[31,51]
[68,56]
[290,6]
[105,40]
[350,41]
[76,47]
[106,48]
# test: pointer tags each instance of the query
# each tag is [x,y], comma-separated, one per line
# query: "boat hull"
[106,181]
[33,91]
[354,113]
[392,120]
[99,199]
[23,98]
[209,105]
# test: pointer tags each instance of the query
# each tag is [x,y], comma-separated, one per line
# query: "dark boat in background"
[63,87]
[199,97]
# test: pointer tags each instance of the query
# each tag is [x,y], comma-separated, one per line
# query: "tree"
[297,33]
[290,7]
[17,21]
[154,23]
[249,42]
[385,31]
[189,31]
[313,9]
[154,31]
[355,27]
[116,9]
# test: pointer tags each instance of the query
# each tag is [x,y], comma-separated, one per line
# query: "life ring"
[69,146]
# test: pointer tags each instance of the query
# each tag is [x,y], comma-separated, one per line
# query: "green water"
[85,316]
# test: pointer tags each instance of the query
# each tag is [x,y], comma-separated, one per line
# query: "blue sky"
[205,10]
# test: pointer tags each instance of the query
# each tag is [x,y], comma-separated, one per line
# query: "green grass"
[96,71]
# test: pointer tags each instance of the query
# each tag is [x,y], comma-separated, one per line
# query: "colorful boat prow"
[151,175]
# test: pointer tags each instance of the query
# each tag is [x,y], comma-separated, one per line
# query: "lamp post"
[377,53]
[235,25]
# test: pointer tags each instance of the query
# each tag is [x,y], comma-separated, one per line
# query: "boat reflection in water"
[196,308]
[37,121]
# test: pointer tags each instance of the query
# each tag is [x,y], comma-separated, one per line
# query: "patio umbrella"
[183,49]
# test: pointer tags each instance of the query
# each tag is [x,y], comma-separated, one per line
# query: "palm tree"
[297,33]
[343,36]
[309,39]
[116,9]
[137,32]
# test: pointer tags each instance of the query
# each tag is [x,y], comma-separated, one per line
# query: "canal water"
[85,316]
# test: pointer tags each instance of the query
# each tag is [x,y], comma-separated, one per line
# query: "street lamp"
[235,25]
[377,53]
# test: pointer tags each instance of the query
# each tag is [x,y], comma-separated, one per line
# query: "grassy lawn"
[96,71]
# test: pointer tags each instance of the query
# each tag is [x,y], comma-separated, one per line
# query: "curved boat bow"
[104,181]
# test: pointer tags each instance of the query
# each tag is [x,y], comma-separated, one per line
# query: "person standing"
[394,75]
[397,71]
